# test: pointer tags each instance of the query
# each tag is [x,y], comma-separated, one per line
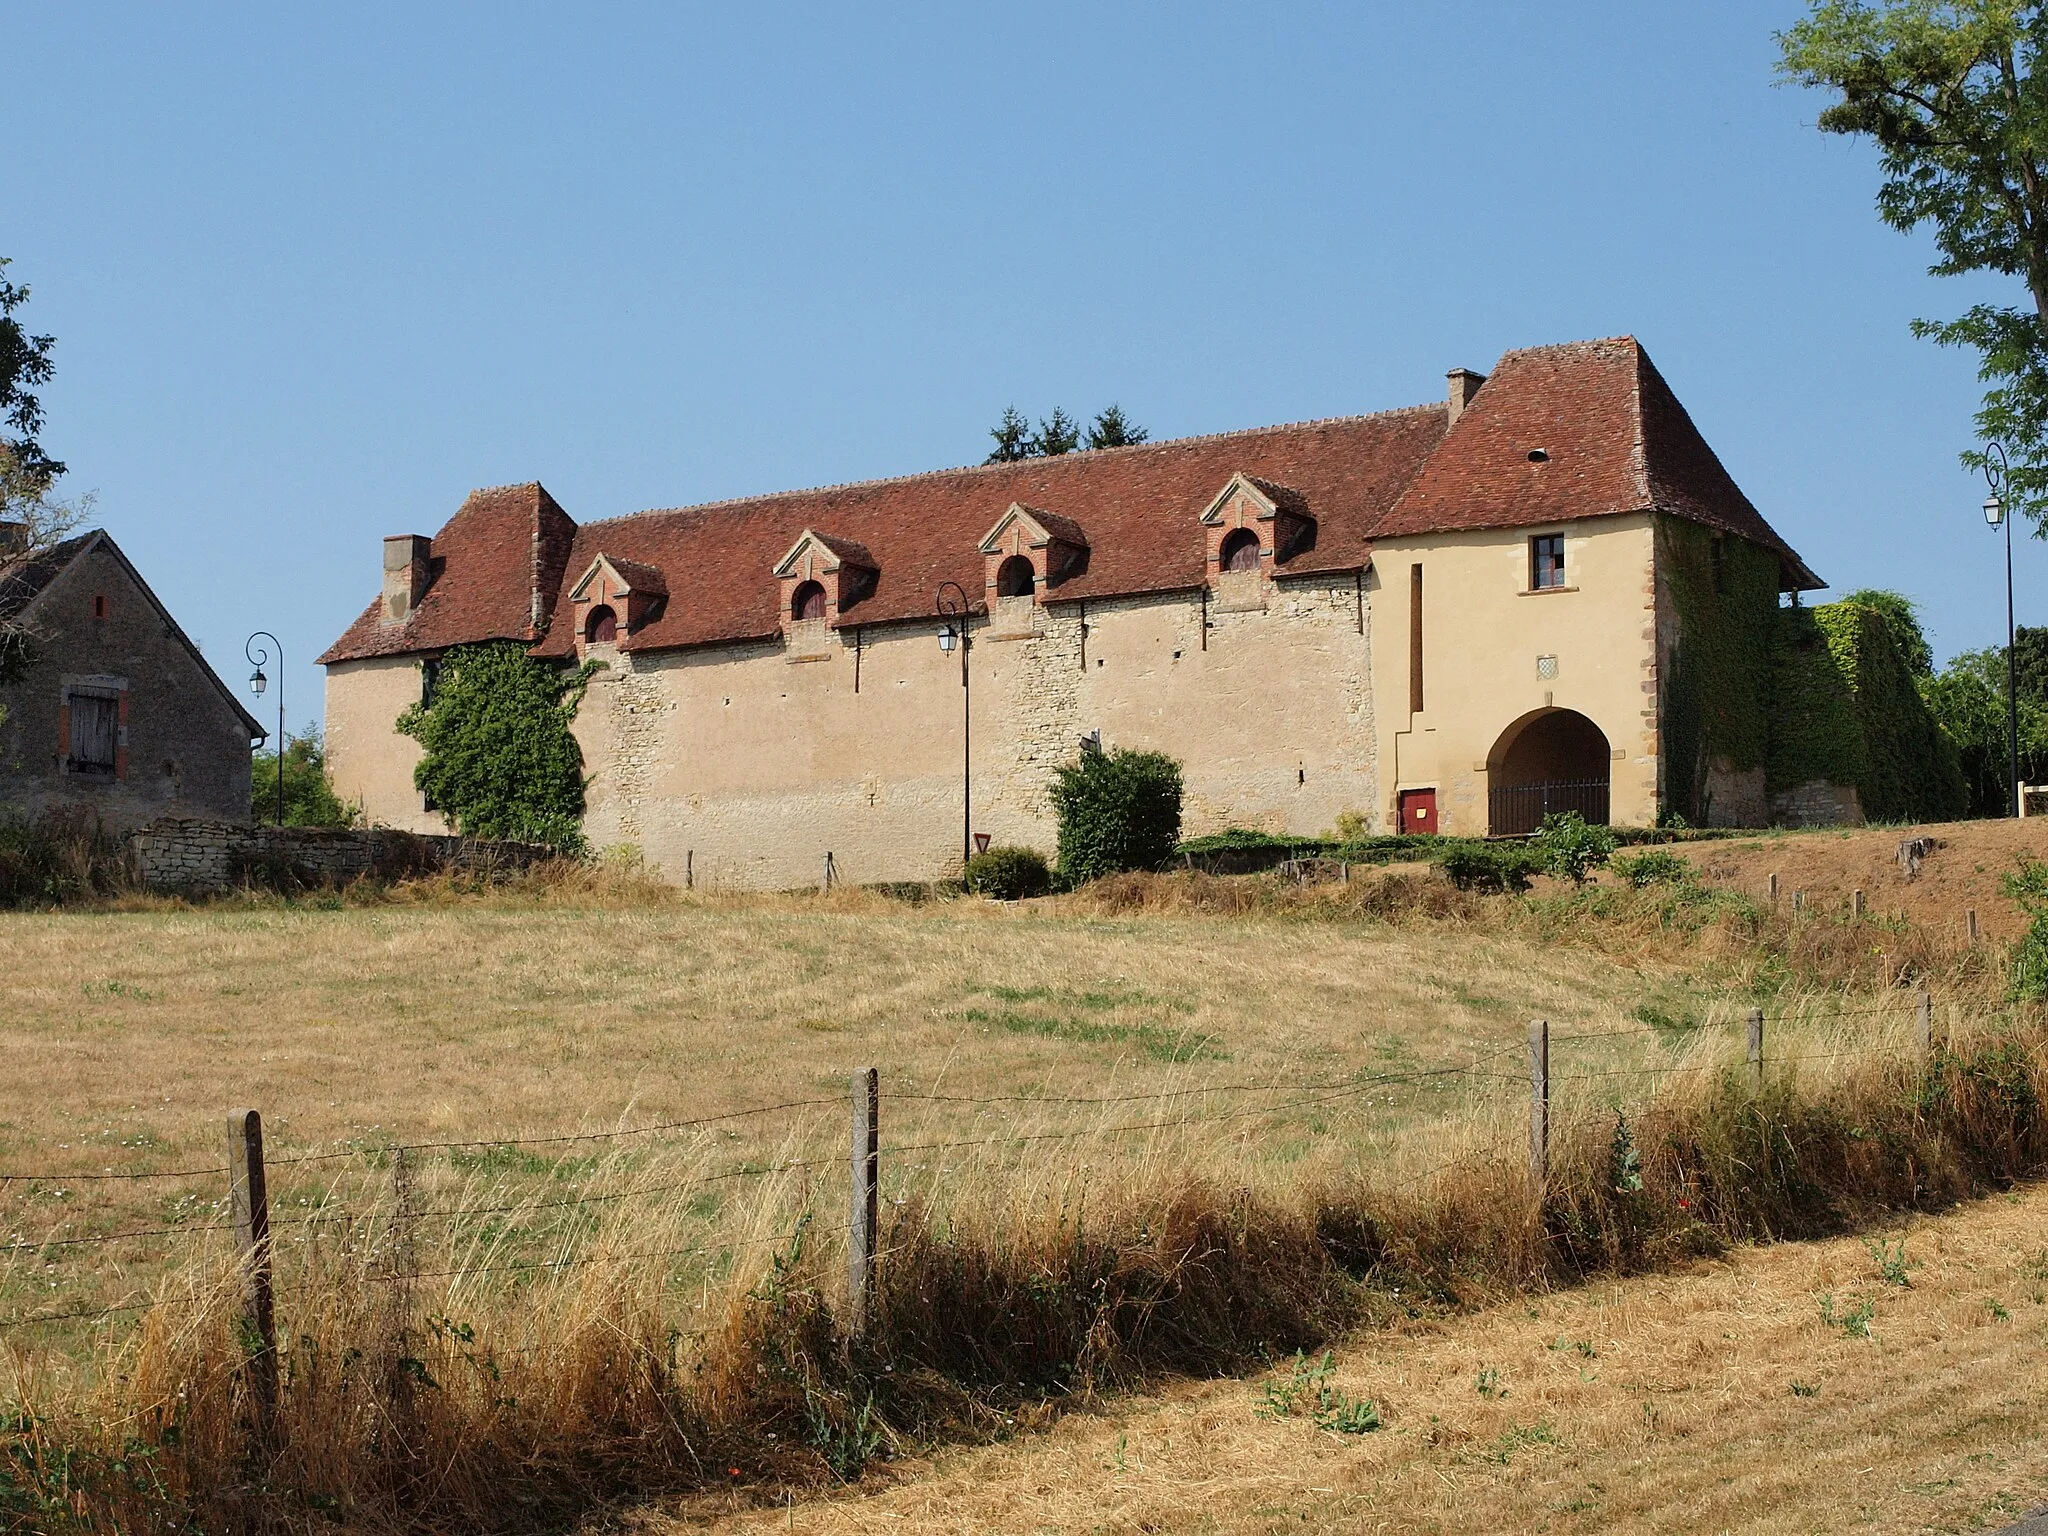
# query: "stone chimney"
[13,541]
[1464,385]
[406,571]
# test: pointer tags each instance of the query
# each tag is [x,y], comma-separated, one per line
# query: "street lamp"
[954,634]
[1995,470]
[258,655]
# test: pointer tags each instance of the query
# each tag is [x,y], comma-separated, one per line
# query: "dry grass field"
[126,1037]
[1715,1399]
[559,1174]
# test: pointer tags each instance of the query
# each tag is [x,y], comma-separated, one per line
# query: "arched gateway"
[1550,760]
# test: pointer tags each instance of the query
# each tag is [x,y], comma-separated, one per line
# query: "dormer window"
[1255,526]
[822,577]
[1029,553]
[614,600]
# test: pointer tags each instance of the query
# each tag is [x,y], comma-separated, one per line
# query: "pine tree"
[1013,438]
[1112,429]
[1057,434]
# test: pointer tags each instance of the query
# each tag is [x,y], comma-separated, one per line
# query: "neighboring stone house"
[118,711]
[1535,595]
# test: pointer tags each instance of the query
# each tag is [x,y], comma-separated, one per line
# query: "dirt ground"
[1895,1384]
[1962,872]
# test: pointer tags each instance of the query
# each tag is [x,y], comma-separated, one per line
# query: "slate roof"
[1617,441]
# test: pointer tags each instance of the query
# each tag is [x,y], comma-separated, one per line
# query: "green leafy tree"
[1013,438]
[2030,662]
[1952,94]
[309,797]
[1059,433]
[1113,429]
[1967,700]
[499,758]
[27,473]
[1117,810]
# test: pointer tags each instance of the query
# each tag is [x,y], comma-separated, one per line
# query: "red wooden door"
[1418,810]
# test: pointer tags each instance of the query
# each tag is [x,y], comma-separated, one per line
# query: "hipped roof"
[1616,437]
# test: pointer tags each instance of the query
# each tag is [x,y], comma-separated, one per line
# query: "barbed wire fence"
[253,1227]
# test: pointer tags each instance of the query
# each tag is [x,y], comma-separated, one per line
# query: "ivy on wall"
[1847,708]
[1714,705]
[499,759]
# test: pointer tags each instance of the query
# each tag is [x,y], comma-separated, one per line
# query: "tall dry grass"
[470,1366]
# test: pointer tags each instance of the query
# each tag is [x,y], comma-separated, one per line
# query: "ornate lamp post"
[951,606]
[1995,515]
[258,656]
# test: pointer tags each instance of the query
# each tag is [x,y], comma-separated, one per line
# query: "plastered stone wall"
[1484,632]
[743,767]
[182,747]
[369,763]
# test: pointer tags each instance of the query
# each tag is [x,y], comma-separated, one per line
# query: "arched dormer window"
[1015,577]
[601,626]
[808,601]
[1240,551]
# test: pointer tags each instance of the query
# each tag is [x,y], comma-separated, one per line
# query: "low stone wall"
[193,855]
[1817,803]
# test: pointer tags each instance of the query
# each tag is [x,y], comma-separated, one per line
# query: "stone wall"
[193,855]
[1817,803]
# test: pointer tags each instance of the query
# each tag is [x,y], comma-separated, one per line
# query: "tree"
[309,797]
[27,473]
[499,759]
[1952,93]
[1013,438]
[1112,429]
[1057,434]
[1117,810]
[1967,700]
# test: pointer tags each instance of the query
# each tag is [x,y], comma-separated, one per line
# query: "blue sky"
[313,276]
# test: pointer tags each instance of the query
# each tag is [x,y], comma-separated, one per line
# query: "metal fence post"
[865,1166]
[249,1205]
[1756,1050]
[1923,1021]
[1539,1103]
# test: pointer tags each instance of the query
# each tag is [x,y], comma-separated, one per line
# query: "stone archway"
[1549,760]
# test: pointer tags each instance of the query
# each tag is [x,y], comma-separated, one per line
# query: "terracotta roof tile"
[497,569]
[1611,438]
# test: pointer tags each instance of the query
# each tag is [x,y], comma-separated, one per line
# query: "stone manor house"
[1452,618]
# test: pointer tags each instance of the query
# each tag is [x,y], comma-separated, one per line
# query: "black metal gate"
[1517,808]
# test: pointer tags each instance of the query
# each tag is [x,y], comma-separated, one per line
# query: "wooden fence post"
[1971,919]
[1774,889]
[865,1166]
[1923,1021]
[249,1206]
[1756,1050]
[1856,905]
[831,874]
[1539,1103]
[1798,901]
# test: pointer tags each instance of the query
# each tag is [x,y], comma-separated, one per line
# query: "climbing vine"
[1849,710]
[1715,704]
[499,759]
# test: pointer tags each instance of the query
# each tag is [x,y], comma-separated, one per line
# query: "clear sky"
[316,272]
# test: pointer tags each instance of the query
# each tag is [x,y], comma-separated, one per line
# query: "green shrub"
[309,798]
[1570,846]
[1009,874]
[2028,888]
[499,759]
[59,856]
[1653,866]
[1117,810]
[1239,839]
[1489,866]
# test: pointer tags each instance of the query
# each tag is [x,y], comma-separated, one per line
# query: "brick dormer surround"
[1277,516]
[635,593]
[843,568]
[1054,545]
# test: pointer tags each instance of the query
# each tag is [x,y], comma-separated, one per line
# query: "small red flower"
[734,1471]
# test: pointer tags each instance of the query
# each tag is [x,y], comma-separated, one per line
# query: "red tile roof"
[1612,436]
[496,570]
[1617,440]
